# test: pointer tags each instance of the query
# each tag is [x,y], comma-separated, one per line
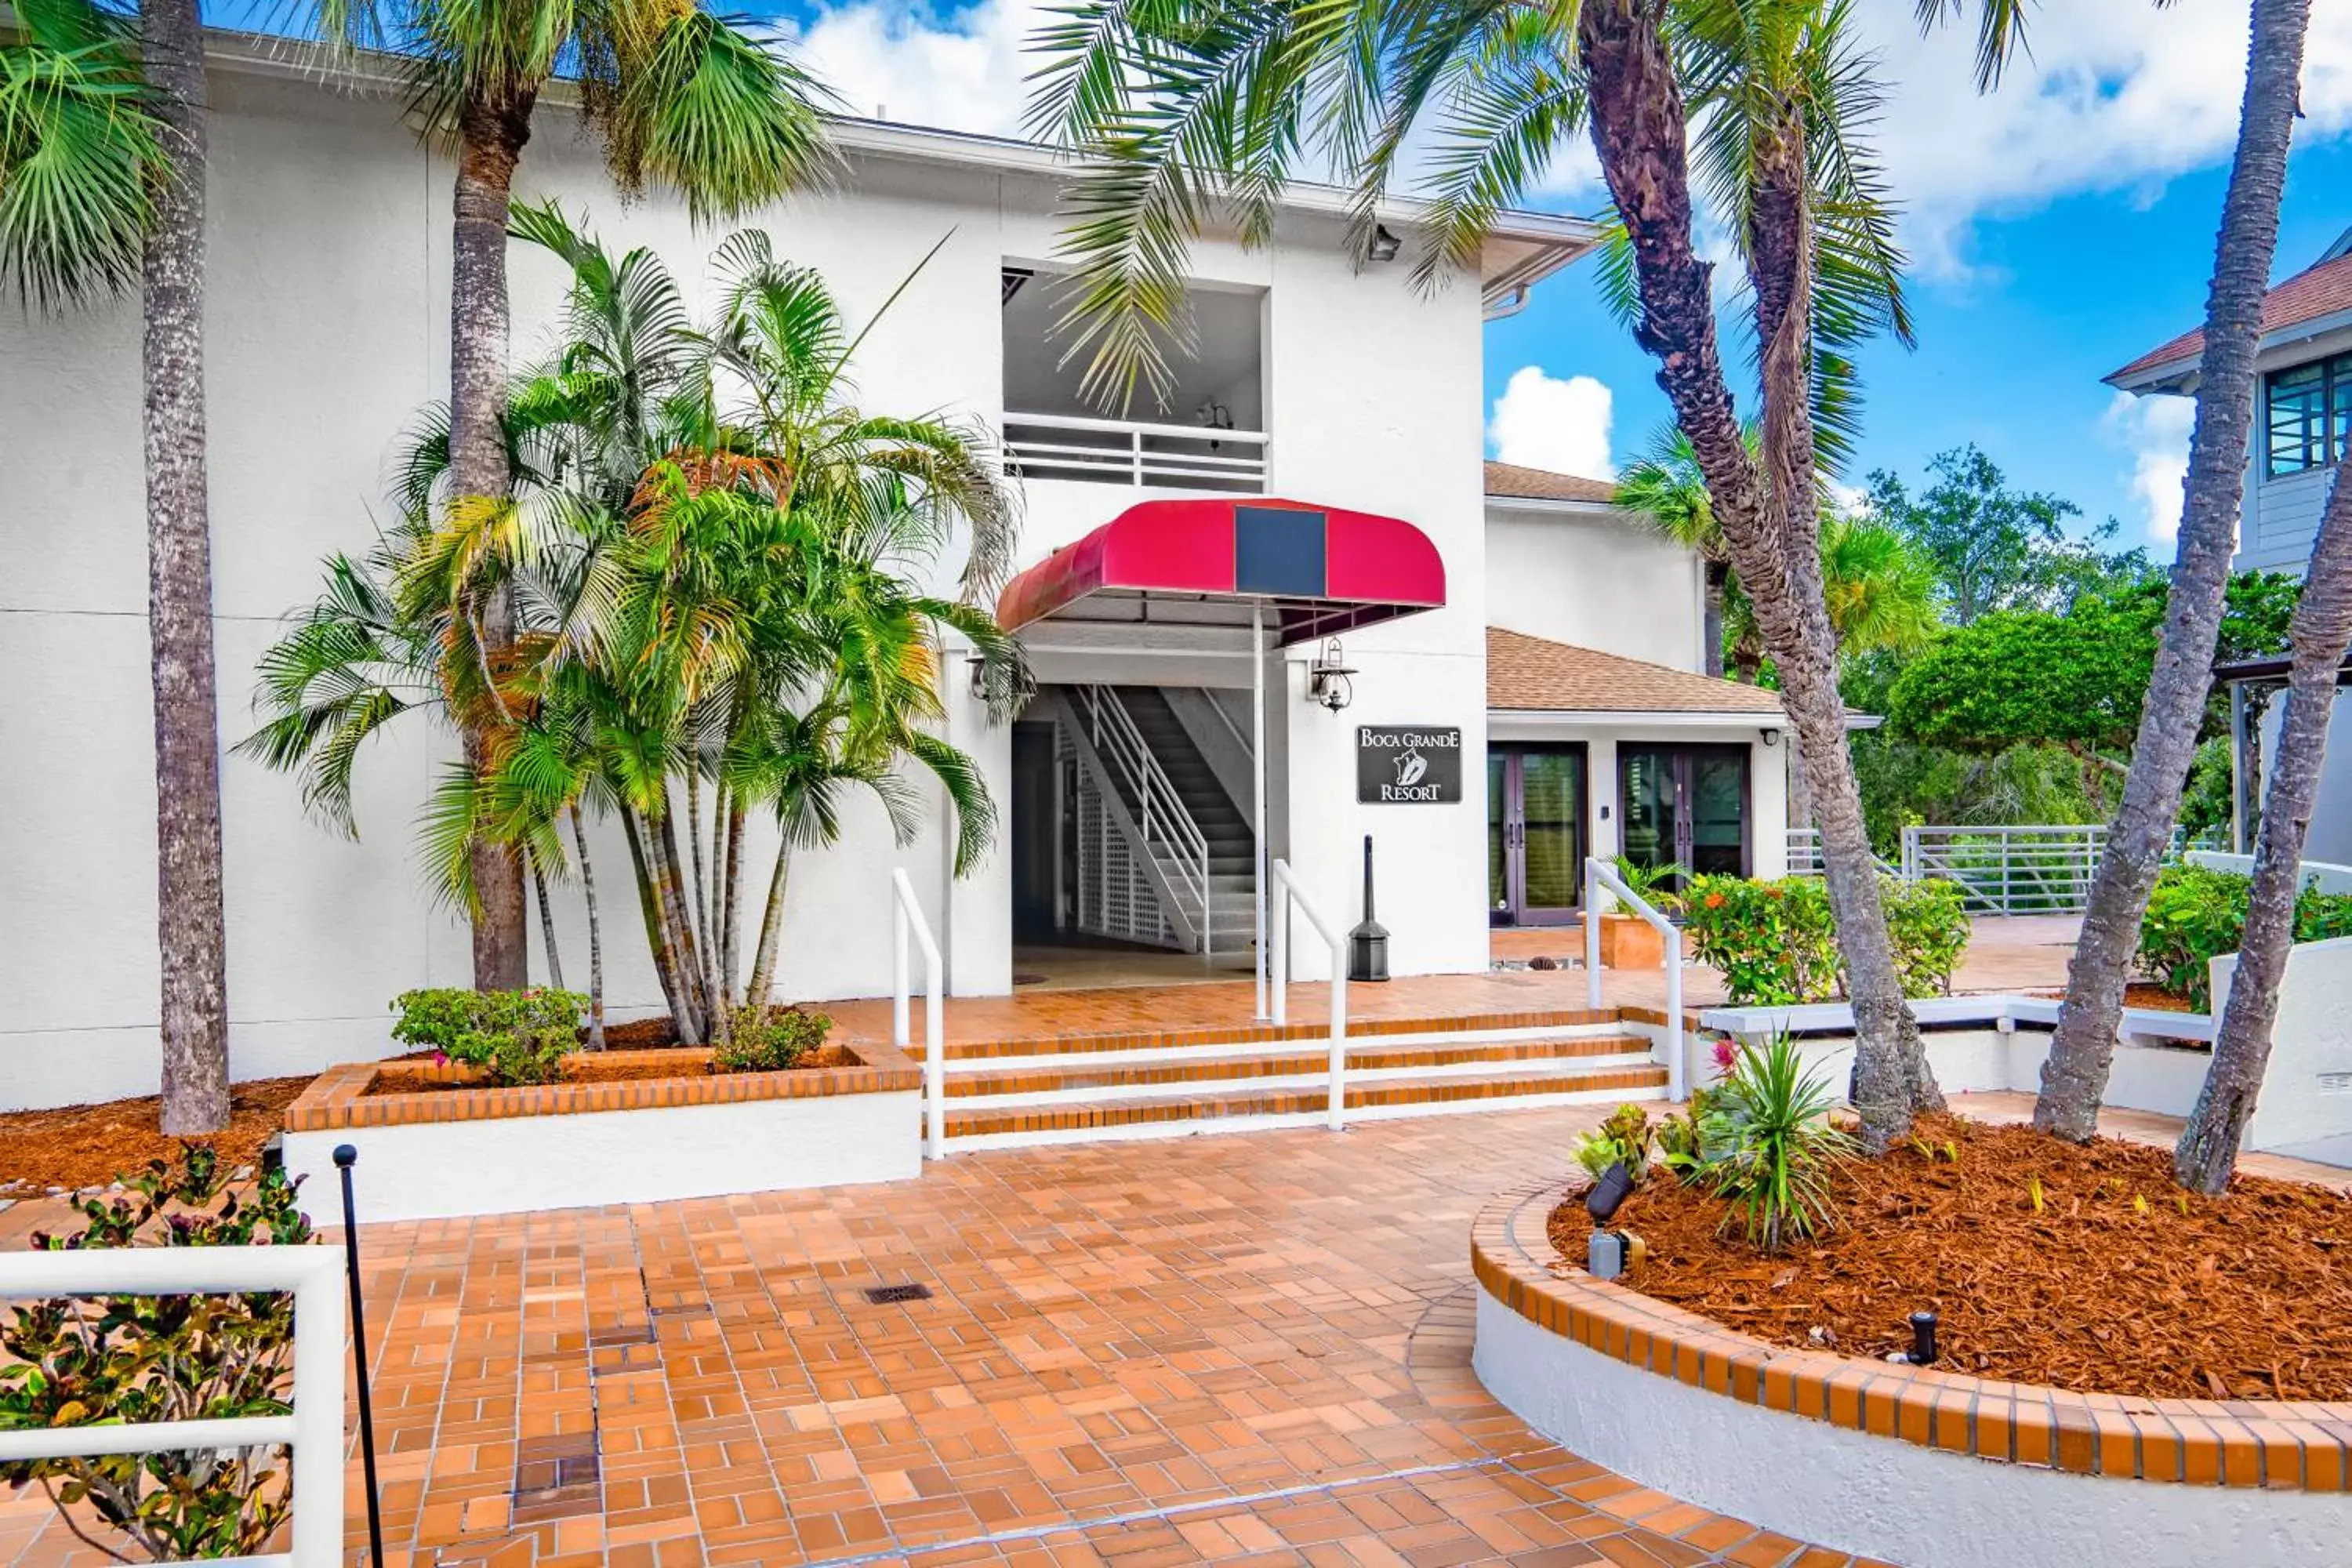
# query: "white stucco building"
[1327,387]
[2302,434]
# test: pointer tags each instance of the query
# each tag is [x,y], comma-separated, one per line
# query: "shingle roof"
[1511,481]
[1528,674]
[2317,291]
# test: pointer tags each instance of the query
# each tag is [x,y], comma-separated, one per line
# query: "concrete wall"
[1589,576]
[2306,1092]
[327,331]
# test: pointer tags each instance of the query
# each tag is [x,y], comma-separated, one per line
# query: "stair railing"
[906,920]
[1286,891]
[1162,815]
[1598,871]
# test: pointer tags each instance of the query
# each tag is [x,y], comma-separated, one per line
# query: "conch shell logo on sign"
[1410,767]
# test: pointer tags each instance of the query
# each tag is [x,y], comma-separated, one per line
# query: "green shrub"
[1690,1143]
[1929,923]
[1654,885]
[1775,943]
[1624,1140]
[2196,914]
[1781,1145]
[770,1041]
[509,1036]
[75,1362]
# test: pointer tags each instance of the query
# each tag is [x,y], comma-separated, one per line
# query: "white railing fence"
[906,920]
[1287,892]
[1599,873]
[1805,855]
[1129,452]
[314,1432]
[2009,871]
[1169,834]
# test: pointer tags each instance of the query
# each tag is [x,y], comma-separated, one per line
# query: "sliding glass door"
[1535,834]
[1684,805]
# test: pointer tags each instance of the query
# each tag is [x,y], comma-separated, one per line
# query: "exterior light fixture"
[1771,737]
[1383,246]
[1330,679]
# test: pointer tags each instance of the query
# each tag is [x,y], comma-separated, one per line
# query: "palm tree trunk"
[547,928]
[595,938]
[772,930]
[732,917]
[492,139]
[658,938]
[2074,1077]
[670,892]
[191,928]
[2206,1154]
[1639,126]
[1718,575]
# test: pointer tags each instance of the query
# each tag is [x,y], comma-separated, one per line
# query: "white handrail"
[1289,892]
[1161,812]
[314,1432]
[1133,453]
[1134,426]
[905,918]
[1598,871]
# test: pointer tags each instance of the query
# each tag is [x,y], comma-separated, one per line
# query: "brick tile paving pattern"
[1248,1348]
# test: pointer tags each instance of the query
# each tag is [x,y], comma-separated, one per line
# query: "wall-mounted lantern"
[1330,678]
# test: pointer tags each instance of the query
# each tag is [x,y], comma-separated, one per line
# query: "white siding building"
[1325,383]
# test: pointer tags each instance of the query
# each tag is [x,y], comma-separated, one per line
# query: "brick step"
[1391,1097]
[1309,1023]
[1208,1072]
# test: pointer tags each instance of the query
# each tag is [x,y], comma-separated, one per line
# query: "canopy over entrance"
[1314,571]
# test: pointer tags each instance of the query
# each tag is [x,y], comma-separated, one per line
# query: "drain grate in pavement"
[888,1295]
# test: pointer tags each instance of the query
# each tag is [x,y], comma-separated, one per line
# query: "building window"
[2307,415]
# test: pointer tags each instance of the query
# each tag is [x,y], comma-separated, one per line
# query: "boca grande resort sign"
[1408,764]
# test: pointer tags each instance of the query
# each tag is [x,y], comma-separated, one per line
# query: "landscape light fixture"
[1923,1338]
[1383,246]
[1609,1193]
[1330,679]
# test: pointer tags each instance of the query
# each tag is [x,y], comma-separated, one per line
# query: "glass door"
[1535,834]
[1685,806]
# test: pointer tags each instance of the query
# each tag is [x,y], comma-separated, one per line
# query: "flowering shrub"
[1775,944]
[509,1036]
[1772,941]
[2197,914]
[770,1041]
[75,1362]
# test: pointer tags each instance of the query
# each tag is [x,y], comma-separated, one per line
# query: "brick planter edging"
[2298,1445]
[338,1098]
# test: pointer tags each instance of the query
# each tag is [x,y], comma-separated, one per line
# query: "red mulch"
[589,1066]
[642,1035]
[2247,1296]
[2141,994]
[91,1145]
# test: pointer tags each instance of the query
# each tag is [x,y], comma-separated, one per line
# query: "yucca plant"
[1784,1146]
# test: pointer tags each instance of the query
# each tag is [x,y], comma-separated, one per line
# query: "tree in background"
[2075,1077]
[1994,548]
[102,161]
[1665,487]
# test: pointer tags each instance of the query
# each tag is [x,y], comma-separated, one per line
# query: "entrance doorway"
[1684,806]
[1536,841]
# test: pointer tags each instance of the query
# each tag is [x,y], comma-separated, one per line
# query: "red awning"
[1321,570]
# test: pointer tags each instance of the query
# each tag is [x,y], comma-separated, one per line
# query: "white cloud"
[1563,426]
[896,61]
[2119,95]
[2155,432]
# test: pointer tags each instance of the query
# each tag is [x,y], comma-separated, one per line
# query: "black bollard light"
[1923,1338]
[1367,945]
[346,1157]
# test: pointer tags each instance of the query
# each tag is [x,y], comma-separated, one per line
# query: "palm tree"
[2074,1077]
[2206,1154]
[678,96]
[102,183]
[1202,107]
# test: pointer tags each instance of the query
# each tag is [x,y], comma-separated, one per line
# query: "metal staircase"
[1165,855]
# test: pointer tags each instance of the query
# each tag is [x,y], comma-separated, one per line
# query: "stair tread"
[1312,1026]
[1094,1113]
[1219,1070]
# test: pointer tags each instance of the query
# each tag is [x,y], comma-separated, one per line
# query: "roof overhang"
[1205,563]
[2269,672]
[2179,374]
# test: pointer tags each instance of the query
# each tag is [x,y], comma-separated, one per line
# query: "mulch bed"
[2140,994]
[76,1146]
[2118,1284]
[589,1066]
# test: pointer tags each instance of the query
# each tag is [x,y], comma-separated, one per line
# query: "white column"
[1258,789]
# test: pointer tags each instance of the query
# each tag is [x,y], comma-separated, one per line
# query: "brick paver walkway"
[1240,1349]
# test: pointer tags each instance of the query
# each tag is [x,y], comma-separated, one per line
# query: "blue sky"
[2011,350]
